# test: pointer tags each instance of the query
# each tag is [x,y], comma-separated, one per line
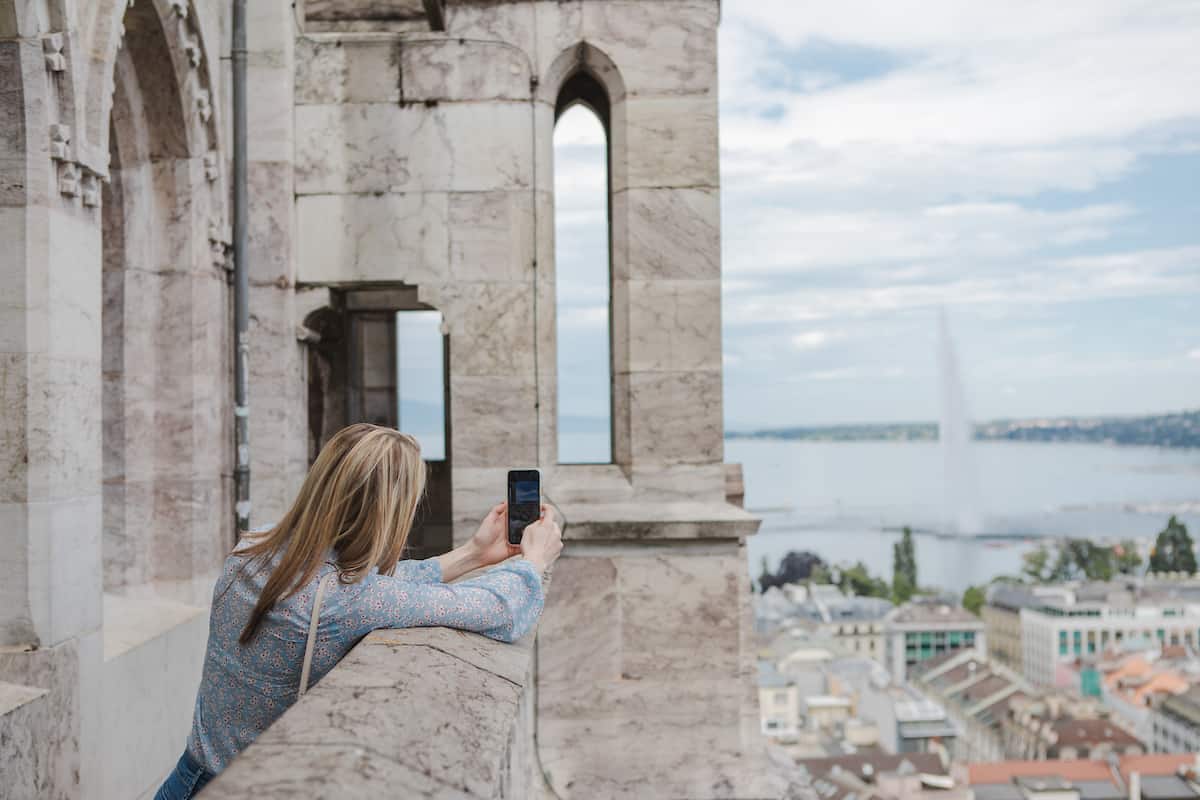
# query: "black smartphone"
[524,501]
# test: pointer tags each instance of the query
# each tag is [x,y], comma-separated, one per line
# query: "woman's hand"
[542,541]
[490,543]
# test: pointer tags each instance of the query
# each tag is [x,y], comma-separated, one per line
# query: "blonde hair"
[359,499]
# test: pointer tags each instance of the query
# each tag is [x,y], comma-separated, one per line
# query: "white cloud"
[1121,276]
[815,339]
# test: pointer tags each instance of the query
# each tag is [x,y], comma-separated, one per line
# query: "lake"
[847,500]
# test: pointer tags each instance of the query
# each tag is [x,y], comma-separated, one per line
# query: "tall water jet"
[956,437]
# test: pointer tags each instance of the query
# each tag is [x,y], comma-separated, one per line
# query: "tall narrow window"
[420,382]
[582,273]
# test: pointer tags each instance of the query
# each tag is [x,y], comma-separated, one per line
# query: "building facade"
[1175,723]
[400,161]
[921,630]
[1055,634]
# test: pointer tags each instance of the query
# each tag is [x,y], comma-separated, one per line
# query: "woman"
[333,561]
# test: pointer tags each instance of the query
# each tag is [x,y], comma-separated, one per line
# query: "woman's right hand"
[542,540]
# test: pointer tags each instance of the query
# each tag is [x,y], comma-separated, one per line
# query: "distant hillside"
[1163,430]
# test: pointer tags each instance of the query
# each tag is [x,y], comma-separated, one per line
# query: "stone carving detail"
[212,166]
[180,7]
[52,47]
[192,48]
[204,104]
[91,189]
[68,179]
[60,141]
[218,242]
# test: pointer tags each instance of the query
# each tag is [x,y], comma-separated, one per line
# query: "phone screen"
[524,501]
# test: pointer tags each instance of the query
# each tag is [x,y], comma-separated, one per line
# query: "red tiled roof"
[1076,732]
[1157,764]
[1005,771]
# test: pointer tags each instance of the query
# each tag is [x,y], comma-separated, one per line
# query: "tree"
[1173,549]
[858,581]
[1035,563]
[973,599]
[796,567]
[1129,560]
[904,568]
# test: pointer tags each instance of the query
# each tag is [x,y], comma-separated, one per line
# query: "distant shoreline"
[1177,430]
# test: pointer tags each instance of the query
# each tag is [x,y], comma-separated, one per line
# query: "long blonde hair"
[360,499]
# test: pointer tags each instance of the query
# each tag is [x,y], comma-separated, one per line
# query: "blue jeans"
[186,781]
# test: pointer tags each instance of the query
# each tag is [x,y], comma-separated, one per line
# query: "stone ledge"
[418,712]
[15,695]
[655,521]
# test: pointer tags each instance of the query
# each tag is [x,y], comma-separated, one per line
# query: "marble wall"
[114,375]
[426,159]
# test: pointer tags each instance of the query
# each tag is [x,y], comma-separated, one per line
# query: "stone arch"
[165,324]
[586,75]
[179,44]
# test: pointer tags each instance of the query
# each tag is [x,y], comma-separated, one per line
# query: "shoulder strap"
[312,632]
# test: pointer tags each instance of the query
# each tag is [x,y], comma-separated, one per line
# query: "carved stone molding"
[192,48]
[219,239]
[52,46]
[212,166]
[91,189]
[204,104]
[68,179]
[180,7]
[60,141]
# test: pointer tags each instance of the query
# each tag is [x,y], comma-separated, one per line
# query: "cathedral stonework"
[400,159]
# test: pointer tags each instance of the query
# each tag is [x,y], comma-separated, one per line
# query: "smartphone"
[524,501]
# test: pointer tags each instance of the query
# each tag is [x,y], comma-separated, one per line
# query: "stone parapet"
[420,712]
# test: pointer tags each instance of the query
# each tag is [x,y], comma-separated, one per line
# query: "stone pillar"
[278,412]
[50,571]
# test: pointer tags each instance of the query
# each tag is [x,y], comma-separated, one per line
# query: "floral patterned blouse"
[246,688]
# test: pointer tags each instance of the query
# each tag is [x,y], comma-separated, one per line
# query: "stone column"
[50,525]
[278,413]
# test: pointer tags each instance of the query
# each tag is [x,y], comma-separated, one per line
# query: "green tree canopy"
[973,599]
[1173,549]
[858,581]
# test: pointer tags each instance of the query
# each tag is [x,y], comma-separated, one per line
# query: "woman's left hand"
[490,542]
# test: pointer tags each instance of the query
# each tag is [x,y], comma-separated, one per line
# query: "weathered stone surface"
[667,234]
[153,656]
[674,325]
[675,417]
[490,235]
[387,237]
[494,421]
[669,142]
[347,71]
[436,710]
[490,326]
[24,718]
[684,41]
[380,147]
[333,10]
[462,69]
[53,720]
[654,521]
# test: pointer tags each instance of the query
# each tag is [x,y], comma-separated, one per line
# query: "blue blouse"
[246,688]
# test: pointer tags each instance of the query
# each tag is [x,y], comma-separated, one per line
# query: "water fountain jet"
[955,435]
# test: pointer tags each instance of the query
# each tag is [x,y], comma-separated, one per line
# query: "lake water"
[846,500]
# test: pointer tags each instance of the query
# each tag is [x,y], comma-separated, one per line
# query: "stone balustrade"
[419,712]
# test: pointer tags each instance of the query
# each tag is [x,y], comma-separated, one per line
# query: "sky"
[1030,168]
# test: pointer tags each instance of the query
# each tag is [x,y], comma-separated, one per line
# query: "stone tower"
[401,159]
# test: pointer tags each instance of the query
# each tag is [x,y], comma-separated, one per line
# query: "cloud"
[815,339]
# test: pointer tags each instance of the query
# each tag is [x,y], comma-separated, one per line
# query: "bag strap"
[312,632]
